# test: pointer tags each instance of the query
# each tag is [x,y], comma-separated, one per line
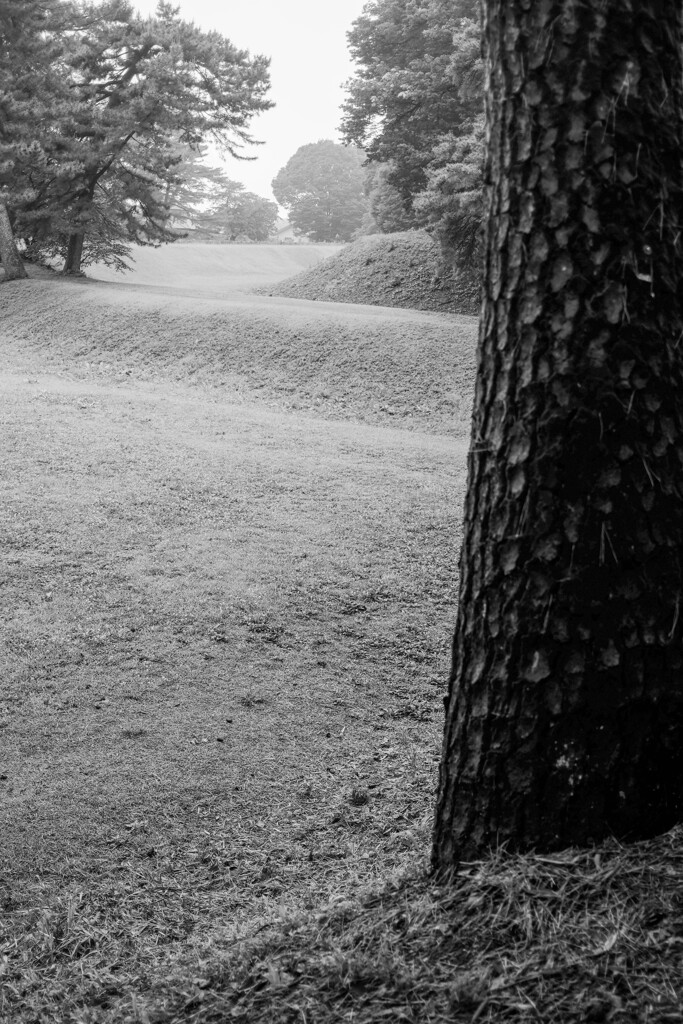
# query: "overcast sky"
[306,41]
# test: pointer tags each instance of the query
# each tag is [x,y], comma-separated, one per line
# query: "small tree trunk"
[72,264]
[565,714]
[12,263]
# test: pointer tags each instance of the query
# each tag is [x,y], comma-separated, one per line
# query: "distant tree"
[137,86]
[206,201]
[322,188]
[386,209]
[196,189]
[415,104]
[564,719]
[243,215]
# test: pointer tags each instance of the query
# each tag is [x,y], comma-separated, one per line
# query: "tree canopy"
[90,160]
[415,107]
[31,93]
[322,188]
[242,215]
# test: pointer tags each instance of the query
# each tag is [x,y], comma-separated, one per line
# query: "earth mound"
[396,367]
[404,269]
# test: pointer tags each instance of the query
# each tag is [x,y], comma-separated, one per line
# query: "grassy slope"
[226,630]
[404,269]
[361,363]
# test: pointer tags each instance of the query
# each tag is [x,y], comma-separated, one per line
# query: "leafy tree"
[137,85]
[415,103]
[243,215]
[451,204]
[322,188]
[387,210]
[565,712]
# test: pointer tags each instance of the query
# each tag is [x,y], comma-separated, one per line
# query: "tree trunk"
[565,714]
[12,263]
[72,264]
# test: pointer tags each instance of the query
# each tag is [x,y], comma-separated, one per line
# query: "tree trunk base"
[12,263]
[74,253]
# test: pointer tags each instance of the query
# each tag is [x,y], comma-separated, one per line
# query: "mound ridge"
[398,367]
[404,269]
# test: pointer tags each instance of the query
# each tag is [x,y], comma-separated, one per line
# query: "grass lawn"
[230,536]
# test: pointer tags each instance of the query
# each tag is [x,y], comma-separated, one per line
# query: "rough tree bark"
[565,712]
[74,253]
[76,240]
[12,262]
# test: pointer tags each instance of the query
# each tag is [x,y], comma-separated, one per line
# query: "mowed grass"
[213,269]
[210,602]
[360,363]
[226,629]
[226,624]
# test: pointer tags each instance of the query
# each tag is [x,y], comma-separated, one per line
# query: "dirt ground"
[225,609]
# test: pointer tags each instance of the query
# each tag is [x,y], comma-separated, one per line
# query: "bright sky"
[306,41]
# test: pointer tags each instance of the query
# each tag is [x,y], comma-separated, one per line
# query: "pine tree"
[565,713]
[29,95]
[129,88]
